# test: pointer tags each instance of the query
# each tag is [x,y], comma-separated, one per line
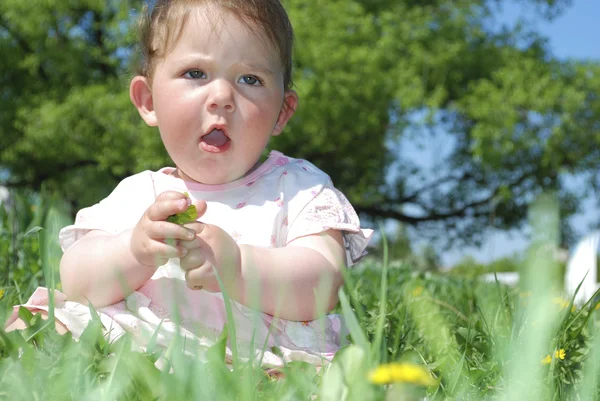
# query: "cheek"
[174,112]
[263,116]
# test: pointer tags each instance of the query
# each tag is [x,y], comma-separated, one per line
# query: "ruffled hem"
[356,244]
[69,235]
[356,239]
[136,316]
[330,210]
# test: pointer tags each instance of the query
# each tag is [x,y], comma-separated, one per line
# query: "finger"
[195,243]
[199,276]
[162,230]
[196,226]
[192,282]
[161,209]
[201,207]
[164,251]
[170,195]
[193,260]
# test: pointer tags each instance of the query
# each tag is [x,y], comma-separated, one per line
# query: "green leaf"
[346,377]
[382,301]
[356,332]
[33,230]
[26,316]
[216,353]
[188,216]
[154,352]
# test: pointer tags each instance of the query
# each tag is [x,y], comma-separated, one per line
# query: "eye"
[195,74]
[250,80]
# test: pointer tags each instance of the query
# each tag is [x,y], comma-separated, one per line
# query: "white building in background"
[582,263]
[509,278]
[584,260]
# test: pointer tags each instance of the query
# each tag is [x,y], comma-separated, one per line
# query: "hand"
[213,250]
[154,240]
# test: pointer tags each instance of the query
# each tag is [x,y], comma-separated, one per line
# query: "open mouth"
[215,141]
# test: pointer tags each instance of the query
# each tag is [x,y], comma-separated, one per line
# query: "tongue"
[215,138]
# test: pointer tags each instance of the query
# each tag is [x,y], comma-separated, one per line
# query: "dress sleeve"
[120,211]
[329,209]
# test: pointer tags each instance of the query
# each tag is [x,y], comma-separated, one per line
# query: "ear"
[140,94]
[290,103]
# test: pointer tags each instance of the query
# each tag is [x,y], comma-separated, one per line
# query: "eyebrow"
[255,67]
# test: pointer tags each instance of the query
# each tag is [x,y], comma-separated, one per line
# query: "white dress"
[283,199]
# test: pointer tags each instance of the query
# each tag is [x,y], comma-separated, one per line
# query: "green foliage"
[68,121]
[478,340]
[447,324]
[400,248]
[29,226]
[19,241]
[371,75]
[188,216]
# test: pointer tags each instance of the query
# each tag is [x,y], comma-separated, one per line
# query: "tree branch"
[431,185]
[386,211]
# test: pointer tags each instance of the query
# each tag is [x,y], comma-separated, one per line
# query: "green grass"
[480,341]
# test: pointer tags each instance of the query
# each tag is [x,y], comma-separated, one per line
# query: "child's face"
[220,75]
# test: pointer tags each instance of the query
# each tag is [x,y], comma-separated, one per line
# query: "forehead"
[209,26]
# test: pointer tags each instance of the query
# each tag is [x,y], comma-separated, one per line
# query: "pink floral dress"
[283,199]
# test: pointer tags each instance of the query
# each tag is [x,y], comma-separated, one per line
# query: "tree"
[370,75]
[399,246]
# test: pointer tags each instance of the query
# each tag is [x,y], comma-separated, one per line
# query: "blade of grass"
[42,328]
[230,321]
[591,369]
[21,302]
[117,362]
[50,250]
[351,287]
[376,348]
[526,376]
[356,332]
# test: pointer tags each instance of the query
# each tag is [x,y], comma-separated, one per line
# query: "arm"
[297,282]
[101,269]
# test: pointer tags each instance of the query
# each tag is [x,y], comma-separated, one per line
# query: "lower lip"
[215,149]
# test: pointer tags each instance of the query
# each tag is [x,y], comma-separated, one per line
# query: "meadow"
[413,335]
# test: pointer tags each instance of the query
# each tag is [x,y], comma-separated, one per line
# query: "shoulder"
[132,193]
[141,179]
[298,172]
[142,184]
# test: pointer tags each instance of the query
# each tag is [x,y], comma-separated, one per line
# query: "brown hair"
[161,27]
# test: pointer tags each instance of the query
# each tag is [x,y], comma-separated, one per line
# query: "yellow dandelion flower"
[1,294]
[597,306]
[563,303]
[401,373]
[560,302]
[417,291]
[558,354]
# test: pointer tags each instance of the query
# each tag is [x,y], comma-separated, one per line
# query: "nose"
[221,96]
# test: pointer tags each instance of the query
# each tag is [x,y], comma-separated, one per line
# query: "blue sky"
[574,34]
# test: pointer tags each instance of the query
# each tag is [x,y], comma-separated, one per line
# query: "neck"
[181,175]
